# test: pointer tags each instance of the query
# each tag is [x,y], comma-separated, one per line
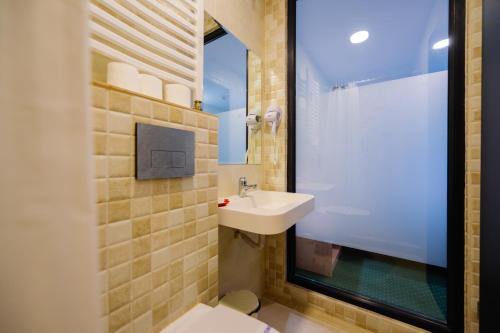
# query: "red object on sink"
[223,204]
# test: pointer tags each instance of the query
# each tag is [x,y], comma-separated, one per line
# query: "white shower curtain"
[375,158]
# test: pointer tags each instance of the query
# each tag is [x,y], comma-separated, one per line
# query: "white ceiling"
[402,33]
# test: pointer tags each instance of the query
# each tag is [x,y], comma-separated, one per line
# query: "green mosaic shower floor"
[405,284]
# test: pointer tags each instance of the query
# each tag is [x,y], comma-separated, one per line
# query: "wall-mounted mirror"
[232,91]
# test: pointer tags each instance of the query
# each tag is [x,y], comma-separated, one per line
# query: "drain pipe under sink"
[258,244]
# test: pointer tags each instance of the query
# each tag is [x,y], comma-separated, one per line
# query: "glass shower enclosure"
[372,147]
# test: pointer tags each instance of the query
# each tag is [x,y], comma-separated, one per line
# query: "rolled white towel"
[150,85]
[178,94]
[123,75]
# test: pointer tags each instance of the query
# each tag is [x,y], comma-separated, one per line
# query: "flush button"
[178,159]
[163,152]
[170,159]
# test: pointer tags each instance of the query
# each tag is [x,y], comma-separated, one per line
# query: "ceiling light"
[441,44]
[359,37]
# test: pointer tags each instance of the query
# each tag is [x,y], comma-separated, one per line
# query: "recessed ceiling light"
[441,44]
[359,37]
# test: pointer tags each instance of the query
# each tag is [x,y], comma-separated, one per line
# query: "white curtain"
[375,157]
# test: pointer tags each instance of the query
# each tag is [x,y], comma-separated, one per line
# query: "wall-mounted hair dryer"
[273,118]
[253,121]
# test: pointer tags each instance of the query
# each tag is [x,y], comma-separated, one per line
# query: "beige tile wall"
[158,239]
[254,106]
[240,265]
[315,304]
[274,87]
[473,161]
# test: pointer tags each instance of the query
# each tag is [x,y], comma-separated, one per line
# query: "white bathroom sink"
[265,212]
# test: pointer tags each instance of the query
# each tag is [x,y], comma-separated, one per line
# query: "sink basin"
[265,212]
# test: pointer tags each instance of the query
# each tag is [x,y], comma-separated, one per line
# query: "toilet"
[220,319]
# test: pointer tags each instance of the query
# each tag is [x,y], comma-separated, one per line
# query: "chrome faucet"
[244,187]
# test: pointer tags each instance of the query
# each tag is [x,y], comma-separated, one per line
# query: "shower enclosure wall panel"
[375,157]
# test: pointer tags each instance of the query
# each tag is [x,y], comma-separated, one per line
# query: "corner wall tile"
[147,227]
[120,102]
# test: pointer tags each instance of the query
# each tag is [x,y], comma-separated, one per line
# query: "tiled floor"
[405,284]
[287,320]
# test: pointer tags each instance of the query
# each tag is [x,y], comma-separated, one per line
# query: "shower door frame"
[456,184]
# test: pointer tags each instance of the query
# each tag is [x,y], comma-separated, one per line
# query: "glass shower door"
[371,146]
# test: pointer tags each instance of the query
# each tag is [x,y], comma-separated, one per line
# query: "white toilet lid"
[180,324]
[220,319]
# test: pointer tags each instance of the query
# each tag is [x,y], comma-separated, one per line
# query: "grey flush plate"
[163,152]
